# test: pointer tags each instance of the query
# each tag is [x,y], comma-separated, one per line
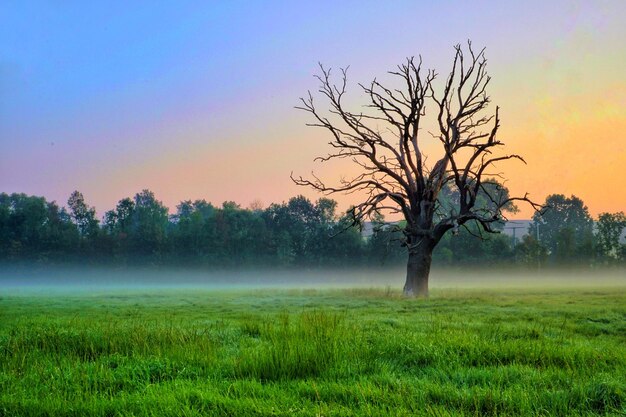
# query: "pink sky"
[198,103]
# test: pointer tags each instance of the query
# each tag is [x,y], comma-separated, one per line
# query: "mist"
[84,279]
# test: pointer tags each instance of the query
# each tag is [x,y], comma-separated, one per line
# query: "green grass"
[313,353]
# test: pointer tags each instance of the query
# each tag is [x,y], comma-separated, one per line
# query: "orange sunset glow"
[207,111]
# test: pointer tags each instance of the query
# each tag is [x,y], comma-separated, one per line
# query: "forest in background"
[296,233]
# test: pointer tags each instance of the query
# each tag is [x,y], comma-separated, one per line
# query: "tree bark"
[417,271]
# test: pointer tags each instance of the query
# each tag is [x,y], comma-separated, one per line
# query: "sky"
[196,99]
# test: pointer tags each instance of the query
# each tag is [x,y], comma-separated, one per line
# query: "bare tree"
[386,139]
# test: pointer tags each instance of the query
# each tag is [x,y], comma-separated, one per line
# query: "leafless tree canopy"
[386,138]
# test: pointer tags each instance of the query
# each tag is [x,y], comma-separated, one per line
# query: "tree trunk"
[417,271]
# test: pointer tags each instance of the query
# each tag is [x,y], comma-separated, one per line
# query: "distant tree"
[243,233]
[204,209]
[34,229]
[27,225]
[183,240]
[186,239]
[530,253]
[61,235]
[450,198]
[119,221]
[149,221]
[385,140]
[334,239]
[109,221]
[117,224]
[610,227]
[5,226]
[293,225]
[307,233]
[256,205]
[384,246]
[183,211]
[284,248]
[201,228]
[137,228]
[83,216]
[461,247]
[565,228]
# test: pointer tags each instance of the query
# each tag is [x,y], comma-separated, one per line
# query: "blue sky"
[112,97]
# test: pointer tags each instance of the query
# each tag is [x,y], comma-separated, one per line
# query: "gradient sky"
[196,99]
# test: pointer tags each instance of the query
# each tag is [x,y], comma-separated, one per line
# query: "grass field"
[364,352]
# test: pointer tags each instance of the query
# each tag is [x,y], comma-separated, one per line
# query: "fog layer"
[85,279]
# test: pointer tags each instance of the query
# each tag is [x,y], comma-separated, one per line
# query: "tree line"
[299,232]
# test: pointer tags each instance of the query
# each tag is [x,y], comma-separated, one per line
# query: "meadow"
[307,352]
